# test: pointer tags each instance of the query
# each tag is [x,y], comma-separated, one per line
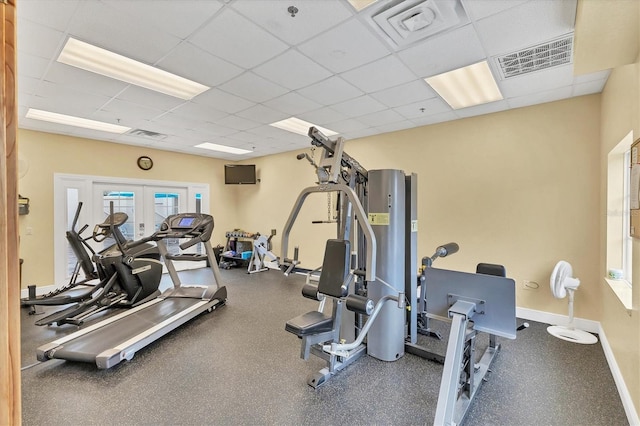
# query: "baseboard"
[627,402]
[592,327]
[557,319]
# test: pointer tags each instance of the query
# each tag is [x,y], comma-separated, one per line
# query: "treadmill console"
[187,225]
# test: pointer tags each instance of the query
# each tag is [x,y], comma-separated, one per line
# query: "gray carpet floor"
[238,366]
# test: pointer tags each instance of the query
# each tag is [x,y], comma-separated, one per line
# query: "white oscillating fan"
[563,282]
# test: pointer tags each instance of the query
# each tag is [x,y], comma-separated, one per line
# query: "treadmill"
[119,337]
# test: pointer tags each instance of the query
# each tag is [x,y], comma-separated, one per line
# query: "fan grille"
[542,56]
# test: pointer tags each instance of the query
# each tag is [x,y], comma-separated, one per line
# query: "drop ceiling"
[330,65]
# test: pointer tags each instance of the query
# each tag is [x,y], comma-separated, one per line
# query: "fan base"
[572,335]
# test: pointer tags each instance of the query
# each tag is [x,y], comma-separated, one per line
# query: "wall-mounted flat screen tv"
[239,174]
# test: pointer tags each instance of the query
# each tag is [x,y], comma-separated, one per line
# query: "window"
[619,242]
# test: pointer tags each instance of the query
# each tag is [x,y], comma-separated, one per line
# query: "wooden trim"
[10,392]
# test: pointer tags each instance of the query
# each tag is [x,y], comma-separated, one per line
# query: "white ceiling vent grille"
[402,23]
[147,134]
[542,56]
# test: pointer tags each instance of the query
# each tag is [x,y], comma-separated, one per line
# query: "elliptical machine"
[128,276]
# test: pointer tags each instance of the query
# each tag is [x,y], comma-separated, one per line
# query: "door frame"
[84,184]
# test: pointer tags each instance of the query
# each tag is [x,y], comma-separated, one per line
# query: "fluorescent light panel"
[361,4]
[222,148]
[100,61]
[467,86]
[70,120]
[301,127]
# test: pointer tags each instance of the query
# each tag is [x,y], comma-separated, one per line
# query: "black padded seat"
[491,269]
[310,323]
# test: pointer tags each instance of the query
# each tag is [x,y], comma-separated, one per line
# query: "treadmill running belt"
[87,347]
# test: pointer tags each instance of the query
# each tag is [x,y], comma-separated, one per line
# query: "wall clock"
[145,163]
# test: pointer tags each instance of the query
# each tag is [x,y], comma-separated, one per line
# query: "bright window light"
[222,148]
[300,127]
[70,120]
[100,61]
[468,86]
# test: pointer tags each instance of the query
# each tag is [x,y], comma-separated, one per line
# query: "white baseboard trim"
[592,327]
[627,402]
[557,319]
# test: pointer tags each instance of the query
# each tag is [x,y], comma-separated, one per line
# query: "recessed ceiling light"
[100,61]
[222,148]
[467,86]
[301,127]
[361,4]
[70,120]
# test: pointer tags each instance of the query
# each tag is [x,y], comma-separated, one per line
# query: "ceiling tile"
[292,104]
[234,38]
[379,75]
[38,40]
[381,118]
[105,27]
[238,123]
[63,100]
[126,112]
[536,81]
[27,86]
[313,17]
[177,18]
[203,68]
[81,80]
[423,108]
[216,130]
[435,118]
[142,96]
[52,14]
[437,55]
[331,91]
[478,9]
[292,70]
[405,94]
[198,112]
[345,47]
[322,116]
[32,66]
[395,126]
[358,106]
[263,114]
[540,97]
[487,108]
[588,88]
[600,75]
[528,24]
[348,125]
[253,87]
[222,101]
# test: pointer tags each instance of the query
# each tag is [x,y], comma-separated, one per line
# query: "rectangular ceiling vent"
[542,56]
[404,22]
[147,134]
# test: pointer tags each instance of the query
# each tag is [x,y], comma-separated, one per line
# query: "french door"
[146,204]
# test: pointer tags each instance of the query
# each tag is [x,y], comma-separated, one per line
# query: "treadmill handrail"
[363,222]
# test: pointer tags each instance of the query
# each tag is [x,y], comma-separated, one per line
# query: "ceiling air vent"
[402,23]
[147,134]
[542,56]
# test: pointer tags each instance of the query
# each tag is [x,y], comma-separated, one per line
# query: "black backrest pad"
[335,268]
[491,269]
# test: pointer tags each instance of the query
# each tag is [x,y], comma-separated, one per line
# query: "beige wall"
[518,188]
[47,154]
[620,114]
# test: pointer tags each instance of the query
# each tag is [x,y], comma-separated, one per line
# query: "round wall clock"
[145,163]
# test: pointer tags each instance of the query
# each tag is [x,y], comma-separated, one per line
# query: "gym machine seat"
[335,267]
